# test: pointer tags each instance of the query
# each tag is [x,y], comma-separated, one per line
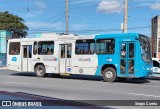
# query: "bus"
[112,56]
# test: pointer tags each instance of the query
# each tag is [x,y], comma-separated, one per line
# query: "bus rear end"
[145,59]
[135,57]
[131,59]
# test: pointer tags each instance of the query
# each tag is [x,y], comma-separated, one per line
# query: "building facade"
[4,35]
[156,37]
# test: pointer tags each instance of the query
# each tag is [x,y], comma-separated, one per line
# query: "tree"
[13,23]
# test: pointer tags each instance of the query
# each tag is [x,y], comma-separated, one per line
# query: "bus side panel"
[108,60]
[13,61]
[49,61]
[52,66]
[85,64]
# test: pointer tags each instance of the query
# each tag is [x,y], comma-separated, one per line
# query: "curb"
[3,67]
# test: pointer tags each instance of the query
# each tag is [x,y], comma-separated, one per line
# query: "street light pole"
[67,17]
[125,24]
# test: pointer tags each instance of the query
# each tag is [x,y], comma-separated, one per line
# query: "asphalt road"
[80,88]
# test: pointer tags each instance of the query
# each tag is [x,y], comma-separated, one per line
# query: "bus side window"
[35,48]
[123,50]
[45,47]
[14,48]
[25,52]
[62,51]
[105,46]
[131,50]
[85,46]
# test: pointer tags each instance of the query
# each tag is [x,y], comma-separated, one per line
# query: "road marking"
[14,83]
[144,95]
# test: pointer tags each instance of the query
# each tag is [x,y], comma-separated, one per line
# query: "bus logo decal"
[69,69]
[82,59]
[109,59]
[50,59]
[14,59]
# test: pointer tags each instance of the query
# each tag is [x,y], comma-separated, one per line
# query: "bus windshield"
[145,48]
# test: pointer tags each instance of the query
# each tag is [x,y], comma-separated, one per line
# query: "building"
[4,35]
[156,37]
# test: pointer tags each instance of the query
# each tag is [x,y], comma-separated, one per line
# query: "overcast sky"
[85,16]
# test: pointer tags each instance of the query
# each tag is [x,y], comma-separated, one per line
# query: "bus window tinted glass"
[155,64]
[30,51]
[69,51]
[105,46]
[24,51]
[45,47]
[85,46]
[14,48]
[62,51]
[145,48]
[123,50]
[131,50]
[35,48]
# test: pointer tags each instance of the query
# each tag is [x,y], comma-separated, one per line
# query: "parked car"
[156,67]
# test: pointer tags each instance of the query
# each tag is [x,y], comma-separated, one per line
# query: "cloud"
[110,6]
[83,1]
[37,8]
[40,4]
[155,6]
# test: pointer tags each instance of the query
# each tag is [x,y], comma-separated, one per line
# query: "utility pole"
[67,17]
[125,24]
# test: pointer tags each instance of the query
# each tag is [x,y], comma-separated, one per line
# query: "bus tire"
[109,74]
[40,71]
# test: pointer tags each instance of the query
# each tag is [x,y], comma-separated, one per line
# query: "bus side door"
[65,55]
[26,58]
[127,59]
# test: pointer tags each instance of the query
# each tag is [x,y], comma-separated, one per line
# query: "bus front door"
[127,59]
[26,58]
[65,55]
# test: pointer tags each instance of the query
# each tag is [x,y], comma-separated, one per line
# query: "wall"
[4,35]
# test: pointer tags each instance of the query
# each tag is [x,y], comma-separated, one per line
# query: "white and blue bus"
[108,55]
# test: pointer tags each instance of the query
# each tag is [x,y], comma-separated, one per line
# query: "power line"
[48,24]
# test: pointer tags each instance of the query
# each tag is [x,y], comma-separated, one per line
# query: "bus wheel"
[109,74]
[40,71]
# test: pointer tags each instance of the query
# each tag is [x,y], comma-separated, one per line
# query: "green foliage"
[13,23]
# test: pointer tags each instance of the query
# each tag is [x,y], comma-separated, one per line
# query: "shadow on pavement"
[79,77]
[136,81]
[86,77]
[154,78]
[26,74]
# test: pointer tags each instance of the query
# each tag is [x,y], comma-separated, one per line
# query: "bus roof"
[117,35]
[74,37]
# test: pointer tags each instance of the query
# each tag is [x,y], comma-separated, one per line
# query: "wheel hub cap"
[39,71]
[109,74]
